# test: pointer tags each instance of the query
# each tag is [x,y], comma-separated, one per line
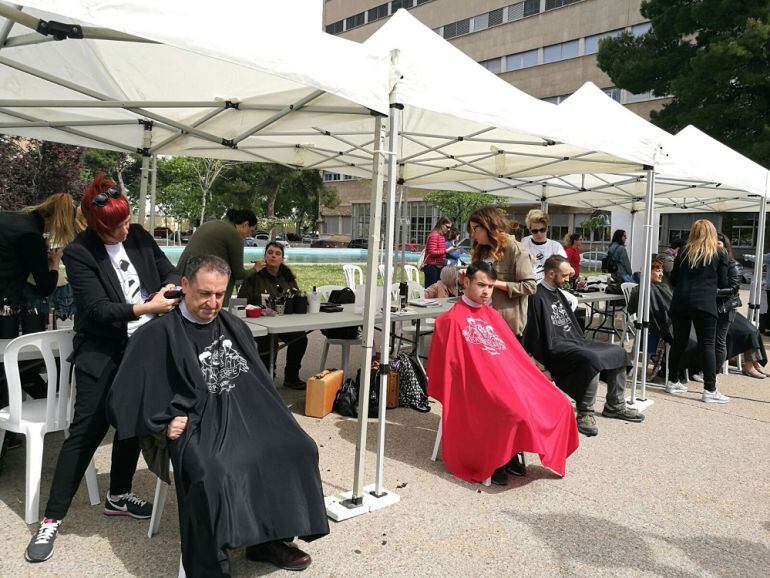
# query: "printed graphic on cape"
[221,365]
[479,333]
[559,316]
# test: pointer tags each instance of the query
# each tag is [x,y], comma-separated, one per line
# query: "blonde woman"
[537,243]
[515,277]
[700,270]
[31,243]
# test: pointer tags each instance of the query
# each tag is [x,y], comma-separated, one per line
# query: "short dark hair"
[553,262]
[238,216]
[207,263]
[483,267]
[677,242]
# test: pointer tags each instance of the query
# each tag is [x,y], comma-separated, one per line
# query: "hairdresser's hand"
[54,258]
[157,303]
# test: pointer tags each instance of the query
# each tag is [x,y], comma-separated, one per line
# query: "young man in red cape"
[496,403]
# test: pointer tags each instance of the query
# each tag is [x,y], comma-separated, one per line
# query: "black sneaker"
[128,505]
[40,547]
[294,383]
[500,478]
[516,466]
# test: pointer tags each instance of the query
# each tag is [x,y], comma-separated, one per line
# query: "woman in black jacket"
[700,271]
[726,303]
[118,276]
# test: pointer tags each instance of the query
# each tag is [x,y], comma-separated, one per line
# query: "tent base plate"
[339,508]
[640,405]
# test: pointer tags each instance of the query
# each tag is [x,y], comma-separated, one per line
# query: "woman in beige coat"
[515,276]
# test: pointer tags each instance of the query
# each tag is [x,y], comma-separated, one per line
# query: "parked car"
[327,244]
[294,238]
[184,237]
[592,260]
[358,244]
[162,232]
[262,239]
[409,248]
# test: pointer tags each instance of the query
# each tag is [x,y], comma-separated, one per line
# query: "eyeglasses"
[535,231]
[101,199]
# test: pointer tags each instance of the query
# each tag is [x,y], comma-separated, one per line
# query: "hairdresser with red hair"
[119,276]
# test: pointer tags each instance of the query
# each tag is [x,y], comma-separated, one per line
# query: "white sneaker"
[714,397]
[697,377]
[675,387]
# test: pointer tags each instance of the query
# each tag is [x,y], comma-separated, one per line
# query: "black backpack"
[341,297]
[609,264]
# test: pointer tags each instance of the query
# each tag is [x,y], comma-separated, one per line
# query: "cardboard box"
[321,391]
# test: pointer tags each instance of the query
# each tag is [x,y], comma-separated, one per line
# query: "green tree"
[458,205]
[712,58]
[125,168]
[301,194]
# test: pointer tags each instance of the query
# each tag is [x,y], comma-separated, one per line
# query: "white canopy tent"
[300,99]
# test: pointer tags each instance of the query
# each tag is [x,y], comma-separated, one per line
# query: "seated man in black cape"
[246,473]
[554,339]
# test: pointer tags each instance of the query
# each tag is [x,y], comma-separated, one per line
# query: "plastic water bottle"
[314,302]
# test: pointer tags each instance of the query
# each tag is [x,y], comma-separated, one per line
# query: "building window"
[631,98]
[493,65]
[378,12]
[531,7]
[495,17]
[677,234]
[613,93]
[335,27]
[521,60]
[355,20]
[329,176]
[641,29]
[562,51]
[481,22]
[422,217]
[592,42]
[516,11]
[450,30]
[553,4]
[396,4]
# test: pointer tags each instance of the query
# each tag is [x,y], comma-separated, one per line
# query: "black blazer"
[102,312]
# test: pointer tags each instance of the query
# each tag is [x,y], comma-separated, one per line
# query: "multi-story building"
[547,48]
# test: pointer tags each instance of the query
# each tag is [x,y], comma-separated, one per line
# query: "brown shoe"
[279,554]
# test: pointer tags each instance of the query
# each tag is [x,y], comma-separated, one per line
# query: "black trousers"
[723,326]
[295,351]
[705,330]
[88,428]
[432,274]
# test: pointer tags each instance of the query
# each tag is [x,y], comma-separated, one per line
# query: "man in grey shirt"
[223,239]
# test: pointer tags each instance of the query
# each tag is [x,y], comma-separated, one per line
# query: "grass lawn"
[309,275]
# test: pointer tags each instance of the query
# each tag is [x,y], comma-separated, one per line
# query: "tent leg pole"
[755,300]
[393,140]
[645,280]
[145,174]
[370,310]
[153,190]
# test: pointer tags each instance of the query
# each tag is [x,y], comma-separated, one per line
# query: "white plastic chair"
[412,273]
[437,445]
[628,318]
[354,275]
[325,290]
[345,344]
[37,417]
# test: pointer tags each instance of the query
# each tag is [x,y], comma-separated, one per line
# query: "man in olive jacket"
[223,239]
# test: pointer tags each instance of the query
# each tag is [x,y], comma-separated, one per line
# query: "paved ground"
[685,493]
